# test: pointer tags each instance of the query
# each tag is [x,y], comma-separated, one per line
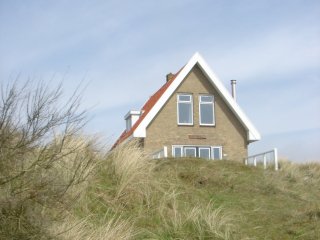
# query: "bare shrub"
[42,157]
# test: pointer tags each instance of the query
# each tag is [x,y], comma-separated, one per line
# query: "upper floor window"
[206,110]
[185,111]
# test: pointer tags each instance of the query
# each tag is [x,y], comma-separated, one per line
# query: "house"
[192,114]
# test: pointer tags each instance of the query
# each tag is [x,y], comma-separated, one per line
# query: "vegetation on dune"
[44,162]
[56,183]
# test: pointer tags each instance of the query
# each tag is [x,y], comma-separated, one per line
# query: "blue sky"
[122,50]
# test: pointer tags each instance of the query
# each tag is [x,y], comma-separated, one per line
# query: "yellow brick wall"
[227,132]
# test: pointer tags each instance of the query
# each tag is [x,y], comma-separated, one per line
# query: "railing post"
[275,152]
[255,161]
[265,161]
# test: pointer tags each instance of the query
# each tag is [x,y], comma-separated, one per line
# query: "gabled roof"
[145,110]
[157,101]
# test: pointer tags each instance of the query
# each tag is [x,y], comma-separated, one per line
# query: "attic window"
[185,111]
[206,110]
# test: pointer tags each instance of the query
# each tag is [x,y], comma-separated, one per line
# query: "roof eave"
[253,136]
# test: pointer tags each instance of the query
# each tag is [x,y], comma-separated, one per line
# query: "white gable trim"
[252,132]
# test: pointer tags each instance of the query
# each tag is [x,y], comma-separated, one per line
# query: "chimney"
[233,89]
[169,76]
[131,117]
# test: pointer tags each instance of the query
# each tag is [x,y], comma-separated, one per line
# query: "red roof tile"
[146,109]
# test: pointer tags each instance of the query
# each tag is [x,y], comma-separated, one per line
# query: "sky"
[121,51]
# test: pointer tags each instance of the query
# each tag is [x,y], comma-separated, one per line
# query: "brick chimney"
[169,76]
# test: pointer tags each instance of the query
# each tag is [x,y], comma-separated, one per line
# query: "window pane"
[206,111]
[177,152]
[185,98]
[190,152]
[216,153]
[185,113]
[206,98]
[204,153]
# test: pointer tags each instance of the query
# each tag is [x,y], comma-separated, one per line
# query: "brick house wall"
[228,132]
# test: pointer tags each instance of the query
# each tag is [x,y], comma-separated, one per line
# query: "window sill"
[185,124]
[207,125]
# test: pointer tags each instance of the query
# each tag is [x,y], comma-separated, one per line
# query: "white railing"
[266,159]
[162,153]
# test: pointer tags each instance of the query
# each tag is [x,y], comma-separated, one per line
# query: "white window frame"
[211,149]
[179,101]
[200,102]
[173,150]
[207,148]
[188,148]
[212,152]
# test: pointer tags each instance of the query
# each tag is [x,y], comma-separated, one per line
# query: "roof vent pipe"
[233,89]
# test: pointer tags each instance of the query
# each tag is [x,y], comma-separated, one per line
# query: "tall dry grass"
[132,171]
[84,229]
[215,223]
[156,201]
[301,172]
[180,220]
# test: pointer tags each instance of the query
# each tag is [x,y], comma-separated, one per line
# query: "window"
[206,110]
[177,152]
[217,152]
[190,152]
[204,152]
[185,112]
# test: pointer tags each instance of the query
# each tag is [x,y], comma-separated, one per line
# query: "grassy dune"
[128,196]
[198,199]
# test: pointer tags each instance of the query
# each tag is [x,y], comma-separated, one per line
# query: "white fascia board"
[141,129]
[253,134]
[252,137]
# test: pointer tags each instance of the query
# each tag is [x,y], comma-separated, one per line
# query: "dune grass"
[108,229]
[128,196]
[198,199]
